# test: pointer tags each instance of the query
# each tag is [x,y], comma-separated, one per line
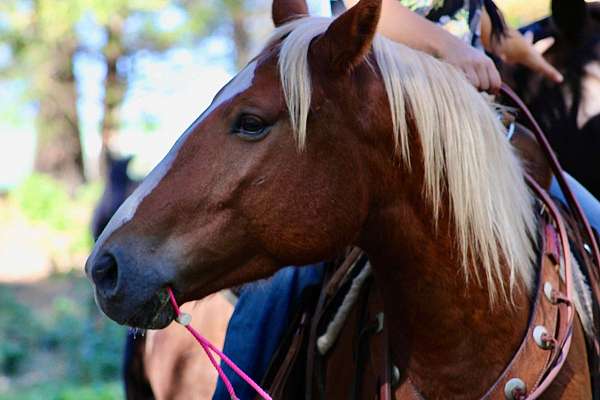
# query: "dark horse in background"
[118,186]
[569,112]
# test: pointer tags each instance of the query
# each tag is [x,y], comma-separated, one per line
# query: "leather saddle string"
[558,172]
[329,289]
[565,342]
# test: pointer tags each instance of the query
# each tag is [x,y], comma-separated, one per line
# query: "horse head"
[573,19]
[236,198]
[331,136]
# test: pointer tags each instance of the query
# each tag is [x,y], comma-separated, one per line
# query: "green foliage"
[45,201]
[17,333]
[68,391]
[82,334]
[42,199]
[33,31]
[85,347]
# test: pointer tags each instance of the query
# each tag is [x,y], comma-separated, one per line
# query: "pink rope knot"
[185,320]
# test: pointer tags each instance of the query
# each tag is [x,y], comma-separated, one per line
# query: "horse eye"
[251,127]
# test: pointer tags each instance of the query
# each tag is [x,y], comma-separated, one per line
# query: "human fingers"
[471,75]
[483,74]
[539,64]
[488,75]
[495,79]
[542,45]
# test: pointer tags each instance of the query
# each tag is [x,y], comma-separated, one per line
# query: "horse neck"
[442,330]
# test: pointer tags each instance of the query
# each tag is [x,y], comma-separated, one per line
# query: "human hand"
[479,69]
[518,49]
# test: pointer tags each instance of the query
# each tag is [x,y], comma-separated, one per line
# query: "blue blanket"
[259,321]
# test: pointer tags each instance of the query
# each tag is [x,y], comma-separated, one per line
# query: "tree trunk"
[59,151]
[241,36]
[114,85]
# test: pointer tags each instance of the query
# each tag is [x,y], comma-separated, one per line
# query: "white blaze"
[125,213]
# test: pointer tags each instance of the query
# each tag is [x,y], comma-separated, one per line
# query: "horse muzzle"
[130,287]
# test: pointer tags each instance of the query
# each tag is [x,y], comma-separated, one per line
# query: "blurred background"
[78,78]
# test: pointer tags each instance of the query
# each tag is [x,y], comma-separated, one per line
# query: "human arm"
[421,34]
[514,48]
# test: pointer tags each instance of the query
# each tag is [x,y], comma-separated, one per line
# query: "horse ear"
[348,39]
[287,10]
[570,17]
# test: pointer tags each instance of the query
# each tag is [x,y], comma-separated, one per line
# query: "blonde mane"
[464,149]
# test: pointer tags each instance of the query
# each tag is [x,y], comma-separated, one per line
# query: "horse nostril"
[105,273]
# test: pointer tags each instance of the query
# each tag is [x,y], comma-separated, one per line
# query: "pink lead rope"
[185,320]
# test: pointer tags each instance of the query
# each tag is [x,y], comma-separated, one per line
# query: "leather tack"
[549,292]
[538,335]
[380,318]
[395,376]
[531,362]
[513,387]
[555,260]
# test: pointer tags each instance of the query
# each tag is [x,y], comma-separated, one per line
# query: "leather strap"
[533,364]
[586,231]
[278,387]
[332,285]
[565,326]
[385,386]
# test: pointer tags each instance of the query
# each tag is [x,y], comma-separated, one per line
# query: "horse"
[290,165]
[162,364]
[118,185]
[569,112]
